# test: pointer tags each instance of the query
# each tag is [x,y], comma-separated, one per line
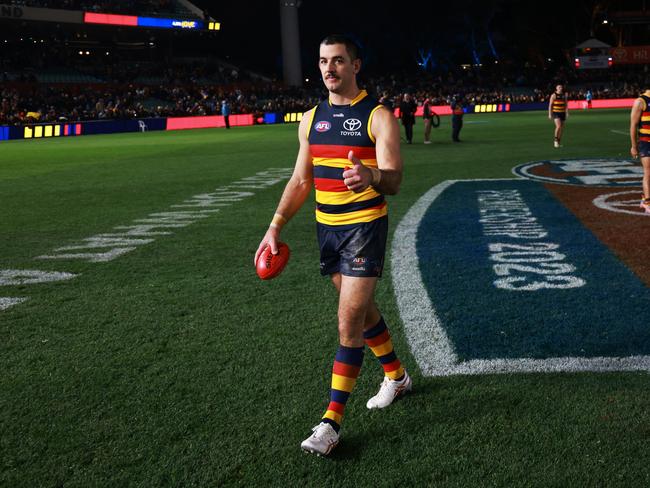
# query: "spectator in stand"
[407,110]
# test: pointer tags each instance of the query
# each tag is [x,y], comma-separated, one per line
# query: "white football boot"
[389,391]
[322,441]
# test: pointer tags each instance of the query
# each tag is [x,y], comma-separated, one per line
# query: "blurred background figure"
[407,108]
[457,112]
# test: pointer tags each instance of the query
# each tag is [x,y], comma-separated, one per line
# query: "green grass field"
[174,365]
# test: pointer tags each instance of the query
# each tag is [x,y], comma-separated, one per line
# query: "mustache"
[329,74]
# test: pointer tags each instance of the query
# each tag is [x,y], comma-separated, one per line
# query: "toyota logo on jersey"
[322,126]
[352,124]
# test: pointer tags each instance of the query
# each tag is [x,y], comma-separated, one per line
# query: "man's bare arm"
[635,117]
[295,192]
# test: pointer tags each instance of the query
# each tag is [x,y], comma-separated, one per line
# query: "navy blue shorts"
[356,250]
[644,149]
[559,115]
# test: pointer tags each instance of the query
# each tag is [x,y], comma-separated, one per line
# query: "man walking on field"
[350,151]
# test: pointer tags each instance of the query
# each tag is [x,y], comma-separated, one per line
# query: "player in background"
[640,137]
[350,151]
[558,112]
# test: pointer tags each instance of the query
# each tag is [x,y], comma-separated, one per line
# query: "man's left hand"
[358,177]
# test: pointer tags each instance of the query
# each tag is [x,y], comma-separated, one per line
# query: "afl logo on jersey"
[322,126]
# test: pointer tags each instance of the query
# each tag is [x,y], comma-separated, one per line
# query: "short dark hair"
[350,45]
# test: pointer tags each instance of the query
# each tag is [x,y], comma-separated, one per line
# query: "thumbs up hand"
[358,177]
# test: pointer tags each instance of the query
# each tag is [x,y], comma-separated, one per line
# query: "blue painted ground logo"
[583,172]
[499,276]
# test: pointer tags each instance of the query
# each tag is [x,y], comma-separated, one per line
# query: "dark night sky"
[392,32]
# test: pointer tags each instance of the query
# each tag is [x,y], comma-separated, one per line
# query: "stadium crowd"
[137,90]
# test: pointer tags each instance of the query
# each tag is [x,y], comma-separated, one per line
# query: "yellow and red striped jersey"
[559,104]
[334,131]
[644,123]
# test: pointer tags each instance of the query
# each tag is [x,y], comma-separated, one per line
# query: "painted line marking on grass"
[609,202]
[102,248]
[17,277]
[8,302]
[621,132]
[582,172]
[430,344]
[426,337]
[157,224]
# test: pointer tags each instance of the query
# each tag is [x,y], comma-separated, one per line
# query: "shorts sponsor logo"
[511,286]
[359,264]
[322,126]
[583,172]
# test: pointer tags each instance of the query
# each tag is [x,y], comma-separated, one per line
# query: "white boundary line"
[429,342]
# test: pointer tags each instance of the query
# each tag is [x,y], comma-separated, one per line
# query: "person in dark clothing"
[427,117]
[457,112]
[407,110]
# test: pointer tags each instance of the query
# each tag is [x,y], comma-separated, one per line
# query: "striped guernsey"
[559,104]
[334,131]
[644,124]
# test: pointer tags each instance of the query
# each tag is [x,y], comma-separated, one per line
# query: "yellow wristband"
[278,221]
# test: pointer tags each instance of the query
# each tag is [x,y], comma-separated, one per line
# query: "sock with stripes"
[347,365]
[379,341]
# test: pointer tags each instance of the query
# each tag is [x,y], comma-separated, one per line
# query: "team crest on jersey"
[322,126]
[583,172]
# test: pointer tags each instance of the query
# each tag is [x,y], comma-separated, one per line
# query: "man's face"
[559,88]
[336,67]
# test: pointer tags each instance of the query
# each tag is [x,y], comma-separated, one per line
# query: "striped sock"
[379,341]
[347,365]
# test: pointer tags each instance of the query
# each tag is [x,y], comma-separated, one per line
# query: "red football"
[270,265]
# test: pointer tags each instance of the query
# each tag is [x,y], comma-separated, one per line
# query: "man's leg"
[409,132]
[558,129]
[645,202]
[377,338]
[354,296]
[427,130]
